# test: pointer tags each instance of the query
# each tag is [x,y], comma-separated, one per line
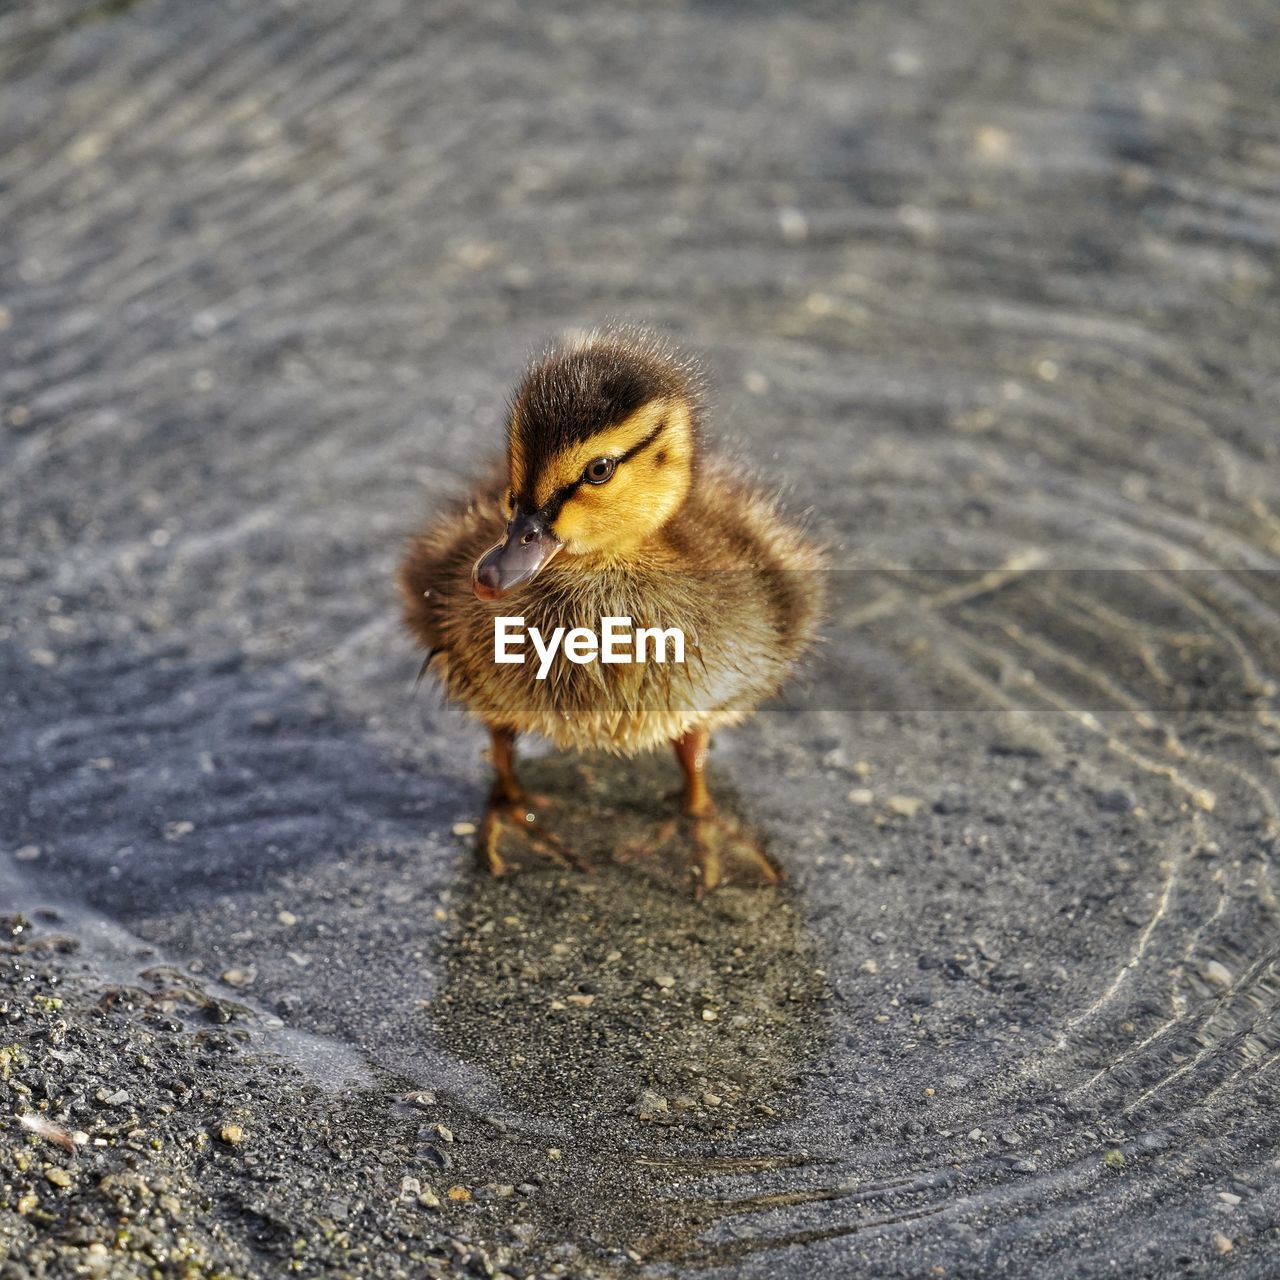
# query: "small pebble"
[862,795]
[27,853]
[1115,800]
[1222,1243]
[709,1015]
[649,1104]
[666,981]
[1217,973]
[464,828]
[992,143]
[287,918]
[58,1177]
[795,229]
[428,1199]
[231,1134]
[903,806]
[458,1193]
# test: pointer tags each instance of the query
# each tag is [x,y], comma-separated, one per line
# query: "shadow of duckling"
[646,1042]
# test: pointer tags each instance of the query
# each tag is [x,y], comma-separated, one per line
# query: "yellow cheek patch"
[612,443]
[644,491]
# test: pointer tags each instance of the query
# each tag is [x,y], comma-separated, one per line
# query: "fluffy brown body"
[746,621]
[671,539]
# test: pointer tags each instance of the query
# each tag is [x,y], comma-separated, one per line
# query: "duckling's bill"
[528,546]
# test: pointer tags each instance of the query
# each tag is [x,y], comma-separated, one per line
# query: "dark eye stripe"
[555,504]
[641,445]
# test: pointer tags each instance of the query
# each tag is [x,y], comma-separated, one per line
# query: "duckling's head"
[601,446]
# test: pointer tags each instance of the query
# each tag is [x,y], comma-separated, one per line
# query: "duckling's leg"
[724,852]
[511,813]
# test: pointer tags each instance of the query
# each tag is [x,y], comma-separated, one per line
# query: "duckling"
[609,506]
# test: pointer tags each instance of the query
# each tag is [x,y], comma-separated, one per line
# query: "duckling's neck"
[647,552]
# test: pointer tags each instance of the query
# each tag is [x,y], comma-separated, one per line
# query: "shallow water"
[990,288]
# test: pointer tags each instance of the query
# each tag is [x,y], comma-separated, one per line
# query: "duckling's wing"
[435,573]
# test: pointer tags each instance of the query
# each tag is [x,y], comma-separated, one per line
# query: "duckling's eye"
[599,471]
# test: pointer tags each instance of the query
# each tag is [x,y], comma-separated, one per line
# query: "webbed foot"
[716,849]
[513,836]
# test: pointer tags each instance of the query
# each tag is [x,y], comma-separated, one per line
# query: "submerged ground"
[991,288]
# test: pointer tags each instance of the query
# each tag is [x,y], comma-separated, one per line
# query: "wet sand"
[992,293]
